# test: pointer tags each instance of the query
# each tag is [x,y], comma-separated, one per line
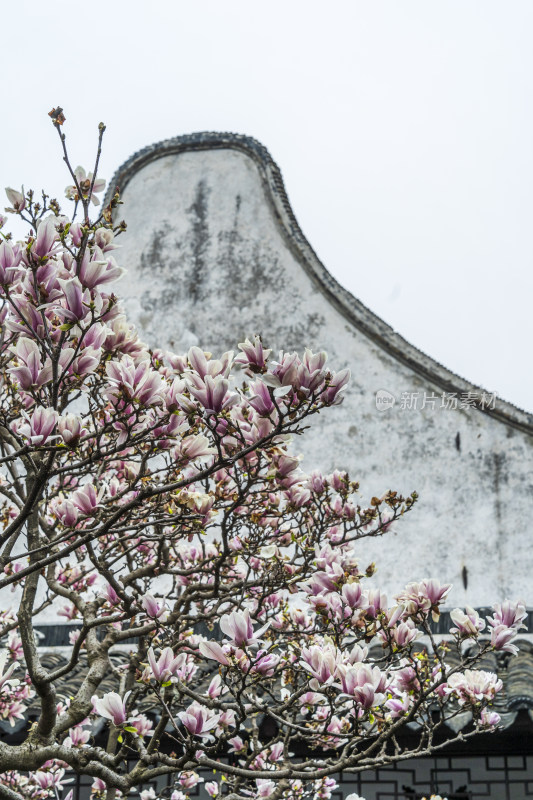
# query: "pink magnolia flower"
[10,258]
[376,601]
[333,559]
[135,382]
[314,363]
[16,199]
[13,569]
[424,596]
[227,720]
[283,375]
[38,430]
[202,364]
[211,788]
[352,594]
[332,395]
[265,663]
[50,780]
[276,752]
[122,337]
[95,336]
[213,394]
[104,239]
[71,428]
[77,737]
[321,662]
[155,609]
[98,270]
[174,394]
[166,665]
[235,543]
[286,470]
[47,236]
[404,633]
[264,788]
[197,501]
[76,300]
[193,447]
[253,355]
[501,638]
[30,371]
[261,400]
[239,629]
[237,745]
[434,591]
[199,720]
[14,646]
[468,624]
[399,705]
[112,706]
[474,685]
[214,689]
[489,718]
[142,725]
[364,683]
[406,680]
[215,652]
[86,499]
[189,779]
[338,480]
[311,699]
[317,482]
[76,233]
[110,595]
[24,316]
[509,614]
[394,615]
[15,710]
[67,512]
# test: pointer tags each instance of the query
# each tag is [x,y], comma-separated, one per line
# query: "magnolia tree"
[152,499]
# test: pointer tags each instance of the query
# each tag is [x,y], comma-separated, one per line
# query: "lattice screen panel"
[472,778]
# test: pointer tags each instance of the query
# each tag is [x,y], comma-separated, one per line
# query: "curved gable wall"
[214,253]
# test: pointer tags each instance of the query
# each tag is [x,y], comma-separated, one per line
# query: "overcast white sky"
[404,132]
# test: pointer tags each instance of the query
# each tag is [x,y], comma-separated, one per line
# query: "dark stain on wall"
[200,241]
[153,259]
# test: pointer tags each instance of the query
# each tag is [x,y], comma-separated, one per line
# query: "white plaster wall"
[209,263]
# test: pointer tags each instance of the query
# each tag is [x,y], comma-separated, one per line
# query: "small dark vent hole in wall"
[465,573]
[458,442]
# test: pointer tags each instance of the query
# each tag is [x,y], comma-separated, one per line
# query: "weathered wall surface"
[214,254]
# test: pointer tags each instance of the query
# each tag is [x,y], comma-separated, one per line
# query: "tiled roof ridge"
[516,673]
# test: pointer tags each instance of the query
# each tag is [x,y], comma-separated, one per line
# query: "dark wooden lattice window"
[490,777]
[477,777]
